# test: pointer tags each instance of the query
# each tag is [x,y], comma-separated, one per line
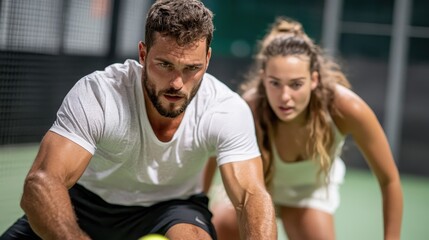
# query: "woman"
[303,109]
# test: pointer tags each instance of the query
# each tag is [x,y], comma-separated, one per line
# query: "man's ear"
[315,78]
[142,52]
[209,55]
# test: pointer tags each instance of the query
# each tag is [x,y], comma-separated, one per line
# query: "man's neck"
[163,127]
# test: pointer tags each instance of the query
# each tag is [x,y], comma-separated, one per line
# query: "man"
[125,156]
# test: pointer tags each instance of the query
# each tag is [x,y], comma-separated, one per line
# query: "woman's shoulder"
[348,108]
[346,101]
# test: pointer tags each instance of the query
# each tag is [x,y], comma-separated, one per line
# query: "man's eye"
[193,68]
[164,65]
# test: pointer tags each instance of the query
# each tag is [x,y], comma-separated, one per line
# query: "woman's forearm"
[392,209]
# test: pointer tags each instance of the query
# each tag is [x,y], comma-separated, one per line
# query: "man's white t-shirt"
[105,114]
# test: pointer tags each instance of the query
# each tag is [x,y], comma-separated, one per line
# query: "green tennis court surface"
[359,215]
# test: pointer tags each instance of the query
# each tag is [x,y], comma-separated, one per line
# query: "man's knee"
[187,231]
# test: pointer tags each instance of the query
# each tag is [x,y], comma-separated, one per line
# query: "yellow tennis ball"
[153,236]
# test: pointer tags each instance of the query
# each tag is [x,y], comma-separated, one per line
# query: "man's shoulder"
[217,90]
[217,96]
[130,69]
[117,74]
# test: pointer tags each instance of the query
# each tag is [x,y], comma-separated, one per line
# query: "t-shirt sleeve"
[81,116]
[233,132]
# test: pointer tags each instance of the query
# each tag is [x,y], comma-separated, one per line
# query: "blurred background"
[383,46]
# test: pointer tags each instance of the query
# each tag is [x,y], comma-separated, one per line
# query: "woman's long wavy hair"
[287,37]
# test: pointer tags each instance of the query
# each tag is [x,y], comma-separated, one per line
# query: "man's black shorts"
[102,220]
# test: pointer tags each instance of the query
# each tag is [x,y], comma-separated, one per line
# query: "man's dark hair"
[187,21]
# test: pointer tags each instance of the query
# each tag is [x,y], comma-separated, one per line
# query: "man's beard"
[154,97]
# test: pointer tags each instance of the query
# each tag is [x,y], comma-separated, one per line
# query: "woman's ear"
[261,75]
[315,78]
[142,52]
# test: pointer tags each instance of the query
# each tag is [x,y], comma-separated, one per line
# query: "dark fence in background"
[31,90]
[47,45]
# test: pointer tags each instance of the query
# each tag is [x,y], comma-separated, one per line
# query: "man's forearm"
[257,218]
[48,207]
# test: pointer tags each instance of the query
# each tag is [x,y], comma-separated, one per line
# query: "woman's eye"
[274,83]
[296,85]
